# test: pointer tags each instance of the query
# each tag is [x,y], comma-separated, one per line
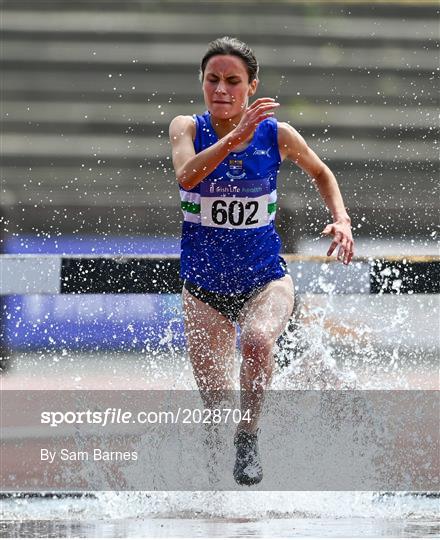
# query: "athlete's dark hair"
[229,45]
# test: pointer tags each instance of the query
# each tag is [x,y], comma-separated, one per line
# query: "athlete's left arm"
[292,146]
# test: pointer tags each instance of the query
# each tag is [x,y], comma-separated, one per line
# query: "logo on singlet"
[260,152]
[236,169]
[236,164]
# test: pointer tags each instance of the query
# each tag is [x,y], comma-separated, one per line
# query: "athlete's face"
[225,86]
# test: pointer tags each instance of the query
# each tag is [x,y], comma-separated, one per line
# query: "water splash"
[329,338]
[230,505]
[304,351]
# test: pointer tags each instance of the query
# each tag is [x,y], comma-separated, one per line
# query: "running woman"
[226,162]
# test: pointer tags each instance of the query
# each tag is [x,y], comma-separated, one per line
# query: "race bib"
[235,204]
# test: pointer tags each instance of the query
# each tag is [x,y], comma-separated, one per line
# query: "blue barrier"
[127,300]
[88,322]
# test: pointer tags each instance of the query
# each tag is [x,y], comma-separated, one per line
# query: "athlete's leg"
[211,341]
[262,320]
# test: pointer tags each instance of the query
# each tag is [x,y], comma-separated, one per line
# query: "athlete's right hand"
[253,115]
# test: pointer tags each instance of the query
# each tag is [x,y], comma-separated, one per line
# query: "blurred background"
[88,91]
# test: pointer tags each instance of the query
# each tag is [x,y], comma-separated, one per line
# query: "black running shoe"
[247,470]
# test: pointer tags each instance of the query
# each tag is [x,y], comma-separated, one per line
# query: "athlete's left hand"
[342,237]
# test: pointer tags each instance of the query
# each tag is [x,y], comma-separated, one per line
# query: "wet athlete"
[226,162]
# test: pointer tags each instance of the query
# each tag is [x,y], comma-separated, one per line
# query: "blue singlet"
[229,242]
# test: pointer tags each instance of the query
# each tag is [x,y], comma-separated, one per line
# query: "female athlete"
[226,162]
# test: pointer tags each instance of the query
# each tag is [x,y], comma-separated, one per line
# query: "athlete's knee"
[257,343]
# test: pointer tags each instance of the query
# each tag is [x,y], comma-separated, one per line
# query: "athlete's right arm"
[192,168]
